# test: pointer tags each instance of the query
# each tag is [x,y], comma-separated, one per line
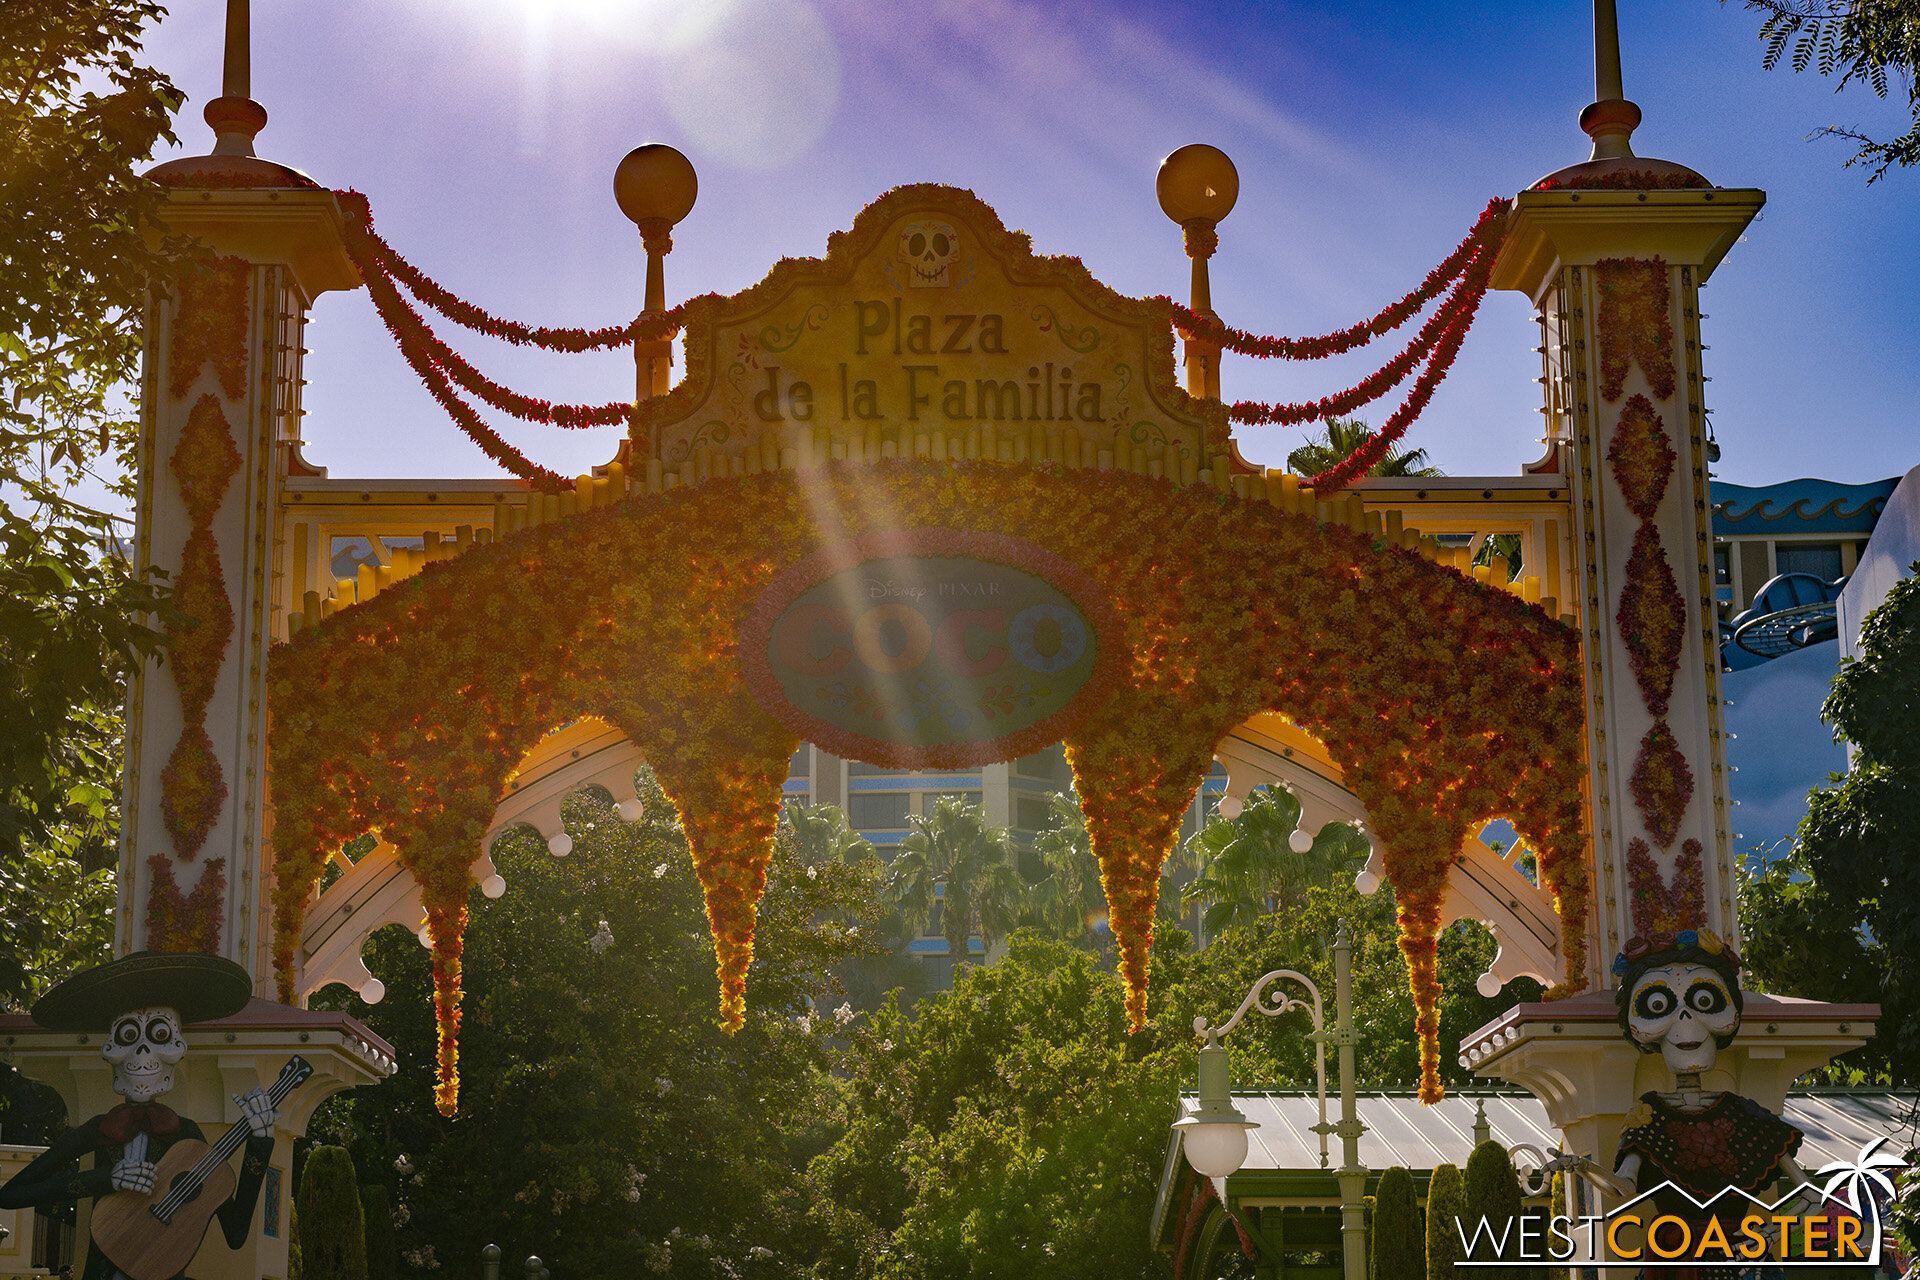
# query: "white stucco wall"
[1891,551]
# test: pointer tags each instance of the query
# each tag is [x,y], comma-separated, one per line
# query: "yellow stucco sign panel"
[928,330]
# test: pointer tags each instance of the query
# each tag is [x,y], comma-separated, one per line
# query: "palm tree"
[1505,547]
[1069,901]
[821,833]
[1249,867]
[1337,443]
[953,857]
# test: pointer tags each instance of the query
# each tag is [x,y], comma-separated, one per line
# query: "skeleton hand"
[1622,1183]
[258,1111]
[133,1175]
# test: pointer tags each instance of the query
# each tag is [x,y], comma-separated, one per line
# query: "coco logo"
[932,648]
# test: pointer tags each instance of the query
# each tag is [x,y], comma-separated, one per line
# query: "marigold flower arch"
[1445,702]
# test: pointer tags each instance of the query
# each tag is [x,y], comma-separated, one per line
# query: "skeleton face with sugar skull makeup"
[144,1046]
[930,250]
[1686,1012]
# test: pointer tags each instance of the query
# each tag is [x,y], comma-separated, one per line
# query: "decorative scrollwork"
[1274,1003]
[1148,432]
[1281,1001]
[775,338]
[1078,340]
[684,450]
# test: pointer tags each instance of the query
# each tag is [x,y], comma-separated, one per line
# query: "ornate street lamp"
[1213,1136]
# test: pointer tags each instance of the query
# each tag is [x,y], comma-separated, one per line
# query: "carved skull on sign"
[1686,1012]
[929,249]
[144,1046]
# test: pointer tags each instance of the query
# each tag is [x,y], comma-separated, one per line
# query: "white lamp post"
[1213,1137]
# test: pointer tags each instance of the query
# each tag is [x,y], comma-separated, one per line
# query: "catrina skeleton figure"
[1679,996]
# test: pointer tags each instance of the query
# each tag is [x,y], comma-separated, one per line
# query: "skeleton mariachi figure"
[140,1002]
[1679,996]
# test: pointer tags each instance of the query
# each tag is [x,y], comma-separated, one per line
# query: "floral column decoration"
[210,329]
[1635,327]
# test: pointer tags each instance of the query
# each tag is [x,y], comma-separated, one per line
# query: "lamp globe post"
[1197,186]
[655,187]
[1213,1136]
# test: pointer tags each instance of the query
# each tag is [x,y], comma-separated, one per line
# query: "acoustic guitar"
[152,1235]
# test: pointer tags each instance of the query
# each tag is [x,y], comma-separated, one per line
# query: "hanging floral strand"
[1385,379]
[420,344]
[1486,233]
[1362,460]
[376,251]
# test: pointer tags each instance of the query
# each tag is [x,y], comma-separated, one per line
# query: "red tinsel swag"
[1631,180]
[1486,234]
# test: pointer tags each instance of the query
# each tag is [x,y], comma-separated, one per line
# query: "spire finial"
[1610,119]
[1606,51]
[234,115]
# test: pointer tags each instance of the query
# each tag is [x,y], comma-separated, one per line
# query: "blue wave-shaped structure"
[1798,506]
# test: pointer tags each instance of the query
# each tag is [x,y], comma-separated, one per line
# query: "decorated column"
[1613,252]
[1615,260]
[220,410]
[220,406]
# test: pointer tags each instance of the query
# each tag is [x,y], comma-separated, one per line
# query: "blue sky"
[1368,135]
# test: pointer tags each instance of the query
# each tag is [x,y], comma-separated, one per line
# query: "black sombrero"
[199,987]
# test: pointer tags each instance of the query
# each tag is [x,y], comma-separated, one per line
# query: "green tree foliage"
[333,1241]
[383,1251]
[1493,1194]
[607,1123]
[1446,1206]
[296,1266]
[822,835]
[1860,40]
[78,116]
[1272,1052]
[1394,1243]
[1013,1127]
[1068,902]
[1338,441]
[1249,868]
[955,861]
[1839,918]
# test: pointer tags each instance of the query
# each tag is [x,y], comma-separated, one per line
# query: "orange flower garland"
[1662,906]
[1635,323]
[1652,618]
[209,329]
[1661,784]
[210,326]
[185,922]
[408,713]
[1642,456]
